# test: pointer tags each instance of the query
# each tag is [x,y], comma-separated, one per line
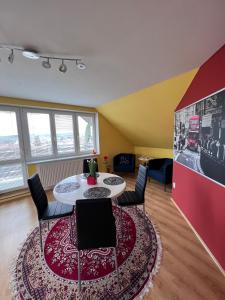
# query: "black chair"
[136,197]
[85,165]
[96,227]
[46,211]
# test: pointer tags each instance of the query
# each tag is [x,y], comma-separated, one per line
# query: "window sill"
[61,158]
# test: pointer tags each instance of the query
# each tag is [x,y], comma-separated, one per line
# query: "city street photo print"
[199,137]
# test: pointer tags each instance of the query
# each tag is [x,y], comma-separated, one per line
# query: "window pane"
[40,134]
[9,141]
[11,176]
[64,133]
[85,127]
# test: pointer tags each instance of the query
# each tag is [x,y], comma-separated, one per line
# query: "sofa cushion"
[157,175]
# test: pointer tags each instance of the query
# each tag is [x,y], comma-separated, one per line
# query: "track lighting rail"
[35,55]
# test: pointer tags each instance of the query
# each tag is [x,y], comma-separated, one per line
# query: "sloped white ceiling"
[126,44]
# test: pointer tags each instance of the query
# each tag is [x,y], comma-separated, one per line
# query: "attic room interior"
[112,150]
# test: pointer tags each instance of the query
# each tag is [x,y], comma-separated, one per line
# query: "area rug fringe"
[12,268]
[149,284]
[147,287]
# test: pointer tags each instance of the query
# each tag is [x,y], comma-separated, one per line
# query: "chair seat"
[129,198]
[157,175]
[56,209]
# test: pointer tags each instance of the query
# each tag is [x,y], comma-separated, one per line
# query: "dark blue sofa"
[124,162]
[161,169]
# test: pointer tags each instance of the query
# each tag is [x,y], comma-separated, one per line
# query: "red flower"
[105,157]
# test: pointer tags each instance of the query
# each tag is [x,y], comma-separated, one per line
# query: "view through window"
[40,134]
[29,135]
[11,168]
[86,138]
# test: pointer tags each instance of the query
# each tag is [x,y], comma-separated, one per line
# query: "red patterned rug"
[53,276]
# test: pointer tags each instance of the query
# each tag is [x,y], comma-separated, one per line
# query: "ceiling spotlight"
[46,64]
[11,57]
[80,65]
[31,54]
[63,67]
[45,60]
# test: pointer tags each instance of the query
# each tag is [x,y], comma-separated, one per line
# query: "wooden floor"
[186,273]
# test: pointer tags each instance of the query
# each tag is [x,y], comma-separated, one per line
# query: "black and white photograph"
[199,139]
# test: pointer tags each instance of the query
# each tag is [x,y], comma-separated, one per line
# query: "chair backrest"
[95,223]
[158,163]
[124,162]
[141,183]
[85,165]
[38,194]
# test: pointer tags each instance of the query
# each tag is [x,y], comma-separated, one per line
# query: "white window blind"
[64,134]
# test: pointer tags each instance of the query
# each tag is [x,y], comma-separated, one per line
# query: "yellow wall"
[153,152]
[146,117]
[111,140]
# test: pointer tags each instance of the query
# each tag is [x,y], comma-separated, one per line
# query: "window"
[9,140]
[11,176]
[12,166]
[39,134]
[64,134]
[51,134]
[86,133]
[30,135]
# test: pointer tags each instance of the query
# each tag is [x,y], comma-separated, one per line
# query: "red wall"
[200,199]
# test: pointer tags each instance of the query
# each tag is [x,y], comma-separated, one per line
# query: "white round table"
[69,196]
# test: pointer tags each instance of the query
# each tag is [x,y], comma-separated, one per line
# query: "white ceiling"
[126,44]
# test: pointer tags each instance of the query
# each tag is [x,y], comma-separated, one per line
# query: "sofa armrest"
[168,172]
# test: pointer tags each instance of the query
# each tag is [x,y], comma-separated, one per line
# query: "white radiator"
[52,172]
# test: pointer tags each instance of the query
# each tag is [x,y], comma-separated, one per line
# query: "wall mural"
[199,140]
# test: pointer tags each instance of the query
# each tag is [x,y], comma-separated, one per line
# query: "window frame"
[55,155]
[24,138]
[25,129]
[94,134]
[21,160]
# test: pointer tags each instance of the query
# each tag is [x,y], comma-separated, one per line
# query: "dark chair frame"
[47,211]
[137,197]
[96,228]
[86,167]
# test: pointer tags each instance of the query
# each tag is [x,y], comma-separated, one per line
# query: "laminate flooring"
[186,273]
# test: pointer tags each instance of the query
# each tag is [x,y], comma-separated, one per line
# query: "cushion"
[129,198]
[56,209]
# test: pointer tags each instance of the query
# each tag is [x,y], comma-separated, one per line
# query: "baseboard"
[10,196]
[199,238]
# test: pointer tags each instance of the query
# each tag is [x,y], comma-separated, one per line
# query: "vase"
[91,180]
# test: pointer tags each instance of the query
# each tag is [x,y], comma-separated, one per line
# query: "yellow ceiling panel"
[146,116]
